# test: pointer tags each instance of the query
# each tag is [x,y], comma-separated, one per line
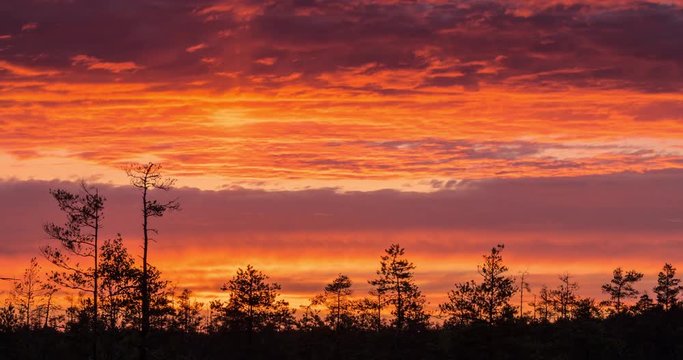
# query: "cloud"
[24,71]
[196,47]
[660,110]
[93,63]
[613,204]
[29,26]
[550,45]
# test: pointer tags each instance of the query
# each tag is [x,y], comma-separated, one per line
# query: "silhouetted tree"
[397,285]
[188,313]
[546,304]
[565,296]
[465,304]
[310,316]
[368,312]
[9,319]
[487,301]
[119,281]
[336,299]
[496,288]
[147,177]
[253,305]
[48,291]
[523,287]
[160,306]
[585,309]
[27,291]
[643,305]
[621,288]
[668,287]
[79,236]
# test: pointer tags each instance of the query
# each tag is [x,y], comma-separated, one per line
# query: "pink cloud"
[93,63]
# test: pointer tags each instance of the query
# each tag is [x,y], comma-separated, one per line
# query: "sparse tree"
[368,312]
[336,299]
[311,318]
[396,284]
[523,287]
[188,313]
[668,287]
[148,177]
[546,304]
[621,288]
[27,291]
[48,291]
[565,296]
[79,237]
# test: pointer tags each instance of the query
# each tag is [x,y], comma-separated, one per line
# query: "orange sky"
[551,122]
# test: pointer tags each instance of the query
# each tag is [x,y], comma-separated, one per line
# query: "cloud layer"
[584,225]
[344,91]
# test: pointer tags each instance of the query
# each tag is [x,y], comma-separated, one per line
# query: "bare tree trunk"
[145,289]
[96,276]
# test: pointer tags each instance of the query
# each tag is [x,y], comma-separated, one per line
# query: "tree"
[147,177]
[667,288]
[585,309]
[620,288]
[397,285]
[643,305]
[336,299]
[487,301]
[565,296]
[188,313]
[9,319]
[368,312]
[464,306]
[160,305]
[496,288]
[523,286]
[119,281]
[48,292]
[78,237]
[26,293]
[546,304]
[253,305]
[310,317]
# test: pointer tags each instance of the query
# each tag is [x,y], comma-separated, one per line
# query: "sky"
[307,136]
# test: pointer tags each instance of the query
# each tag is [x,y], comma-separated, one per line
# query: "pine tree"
[79,237]
[119,281]
[464,305]
[565,296]
[147,177]
[188,313]
[621,288]
[336,299]
[253,304]
[396,284]
[27,292]
[496,288]
[667,288]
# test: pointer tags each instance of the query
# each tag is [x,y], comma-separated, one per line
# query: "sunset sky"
[307,136]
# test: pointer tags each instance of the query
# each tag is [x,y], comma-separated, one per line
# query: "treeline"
[118,308]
